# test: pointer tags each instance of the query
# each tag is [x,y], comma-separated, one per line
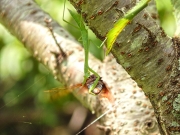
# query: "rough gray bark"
[134,114]
[147,54]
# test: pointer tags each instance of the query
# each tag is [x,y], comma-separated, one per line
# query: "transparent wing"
[59,92]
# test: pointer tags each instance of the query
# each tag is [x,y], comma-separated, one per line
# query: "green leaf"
[114,32]
[122,22]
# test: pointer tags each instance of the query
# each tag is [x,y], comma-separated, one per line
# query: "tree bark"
[146,52]
[137,50]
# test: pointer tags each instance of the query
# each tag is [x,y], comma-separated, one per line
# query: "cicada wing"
[59,92]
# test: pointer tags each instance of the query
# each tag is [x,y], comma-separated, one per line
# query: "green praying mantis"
[85,42]
[110,37]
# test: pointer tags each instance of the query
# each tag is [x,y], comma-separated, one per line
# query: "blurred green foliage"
[25,108]
[167,20]
[23,81]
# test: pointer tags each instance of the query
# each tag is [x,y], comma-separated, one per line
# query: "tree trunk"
[136,49]
[146,52]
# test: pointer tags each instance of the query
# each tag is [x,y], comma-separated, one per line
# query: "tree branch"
[145,51]
[131,112]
